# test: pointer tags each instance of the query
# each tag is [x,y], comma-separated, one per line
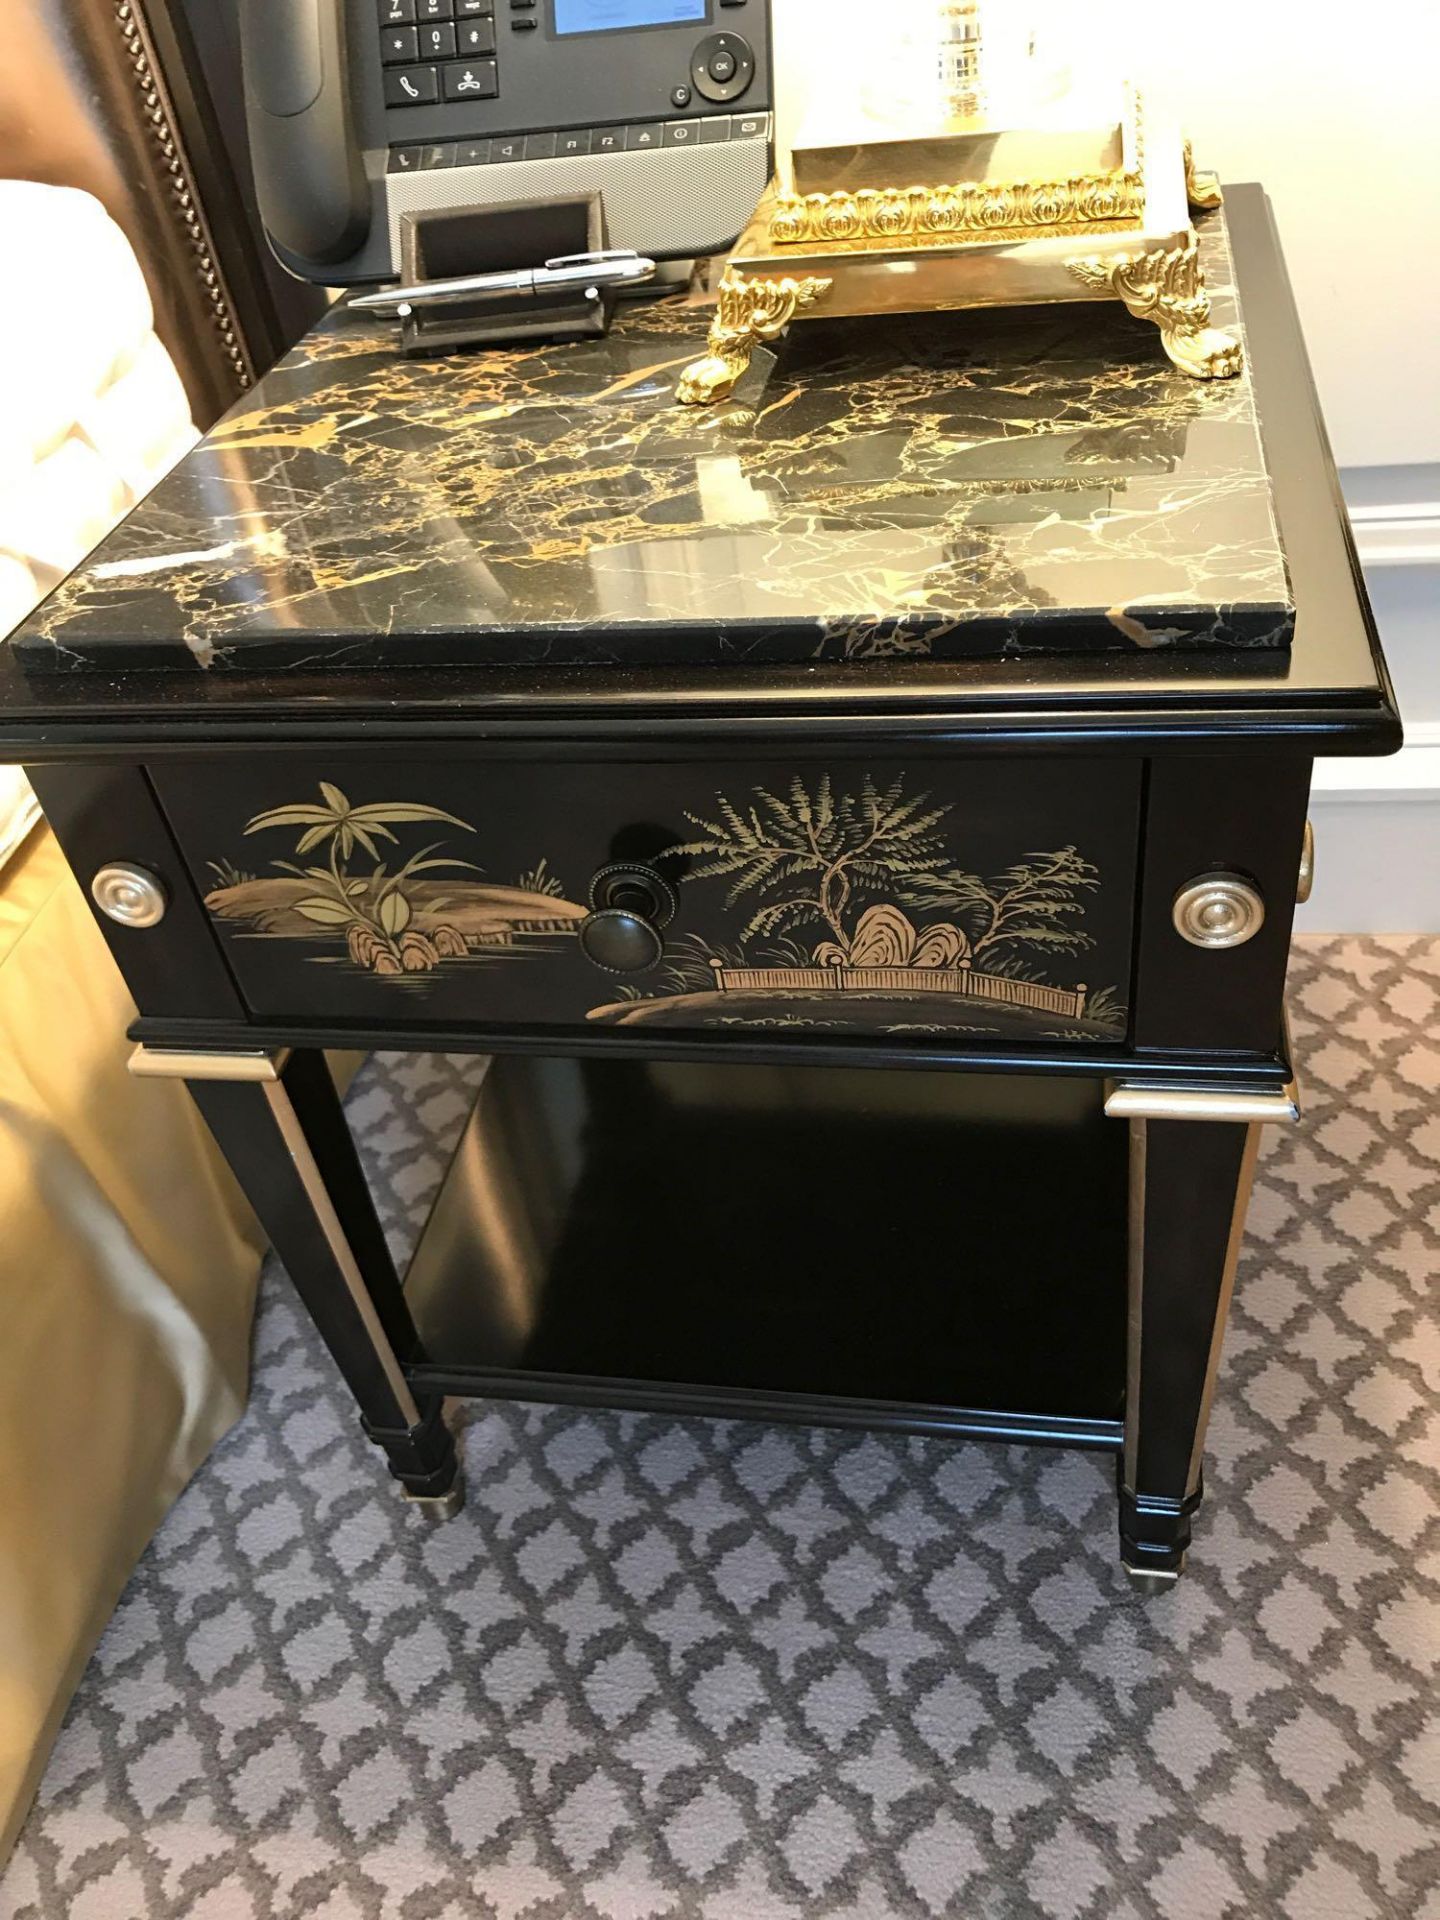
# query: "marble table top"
[925,487]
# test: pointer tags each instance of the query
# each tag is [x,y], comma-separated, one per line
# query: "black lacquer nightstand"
[861,825]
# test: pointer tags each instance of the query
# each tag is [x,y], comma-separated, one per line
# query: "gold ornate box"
[987,215]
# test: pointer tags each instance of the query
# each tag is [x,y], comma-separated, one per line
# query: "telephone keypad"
[396,13]
[399,47]
[434,10]
[438,42]
[475,39]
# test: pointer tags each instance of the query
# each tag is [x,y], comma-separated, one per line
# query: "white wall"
[1334,107]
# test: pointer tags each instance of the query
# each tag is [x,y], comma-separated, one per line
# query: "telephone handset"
[309,177]
[362,112]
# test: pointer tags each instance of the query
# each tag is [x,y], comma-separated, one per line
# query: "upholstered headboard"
[117,97]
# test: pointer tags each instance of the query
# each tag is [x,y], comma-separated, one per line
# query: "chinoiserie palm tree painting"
[844,895]
[390,919]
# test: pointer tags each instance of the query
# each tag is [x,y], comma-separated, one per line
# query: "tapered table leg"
[279,1122]
[1189,1189]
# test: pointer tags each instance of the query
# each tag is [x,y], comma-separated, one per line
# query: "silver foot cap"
[438,1506]
[1153,1580]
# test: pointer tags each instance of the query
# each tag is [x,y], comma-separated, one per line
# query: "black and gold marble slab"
[926,487]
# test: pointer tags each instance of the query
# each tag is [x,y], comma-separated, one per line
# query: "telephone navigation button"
[722,66]
[644,139]
[411,87]
[440,153]
[472,153]
[404,160]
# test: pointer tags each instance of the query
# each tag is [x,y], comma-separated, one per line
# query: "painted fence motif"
[959,980]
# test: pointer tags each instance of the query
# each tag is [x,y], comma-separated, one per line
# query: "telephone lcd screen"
[605,16]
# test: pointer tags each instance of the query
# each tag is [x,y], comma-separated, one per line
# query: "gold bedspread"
[127,1286]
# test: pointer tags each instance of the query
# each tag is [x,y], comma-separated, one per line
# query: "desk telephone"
[364,111]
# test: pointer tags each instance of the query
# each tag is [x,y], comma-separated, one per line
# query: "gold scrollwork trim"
[748,312]
[937,214]
[1167,287]
[990,209]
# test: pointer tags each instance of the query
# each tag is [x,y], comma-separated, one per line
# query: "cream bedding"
[128,1287]
[129,1259]
[92,412]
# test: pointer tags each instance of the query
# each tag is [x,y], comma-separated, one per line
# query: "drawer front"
[979,900]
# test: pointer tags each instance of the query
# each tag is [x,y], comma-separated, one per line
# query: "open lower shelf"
[909,1249]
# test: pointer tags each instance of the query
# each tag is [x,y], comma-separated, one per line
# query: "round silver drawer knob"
[1218,910]
[129,895]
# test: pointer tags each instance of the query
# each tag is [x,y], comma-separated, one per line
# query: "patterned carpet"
[687,1668]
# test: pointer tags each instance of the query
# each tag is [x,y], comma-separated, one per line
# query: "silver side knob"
[1218,910]
[129,895]
[1306,880]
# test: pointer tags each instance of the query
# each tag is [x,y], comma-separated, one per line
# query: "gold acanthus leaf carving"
[748,311]
[1202,189]
[1167,287]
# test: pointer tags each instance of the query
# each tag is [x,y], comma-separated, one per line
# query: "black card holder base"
[499,239]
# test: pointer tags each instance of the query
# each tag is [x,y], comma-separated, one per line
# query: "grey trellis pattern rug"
[688,1668]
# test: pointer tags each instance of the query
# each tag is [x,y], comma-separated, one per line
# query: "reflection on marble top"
[929,486]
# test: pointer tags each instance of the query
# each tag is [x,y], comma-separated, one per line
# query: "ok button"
[722,66]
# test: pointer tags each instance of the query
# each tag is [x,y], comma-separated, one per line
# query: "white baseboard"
[1377,822]
[1403,534]
[1376,864]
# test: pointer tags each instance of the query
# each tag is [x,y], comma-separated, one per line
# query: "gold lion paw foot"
[1206,354]
[710,378]
[1167,287]
[748,311]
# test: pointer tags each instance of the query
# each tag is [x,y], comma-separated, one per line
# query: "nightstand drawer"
[986,900]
